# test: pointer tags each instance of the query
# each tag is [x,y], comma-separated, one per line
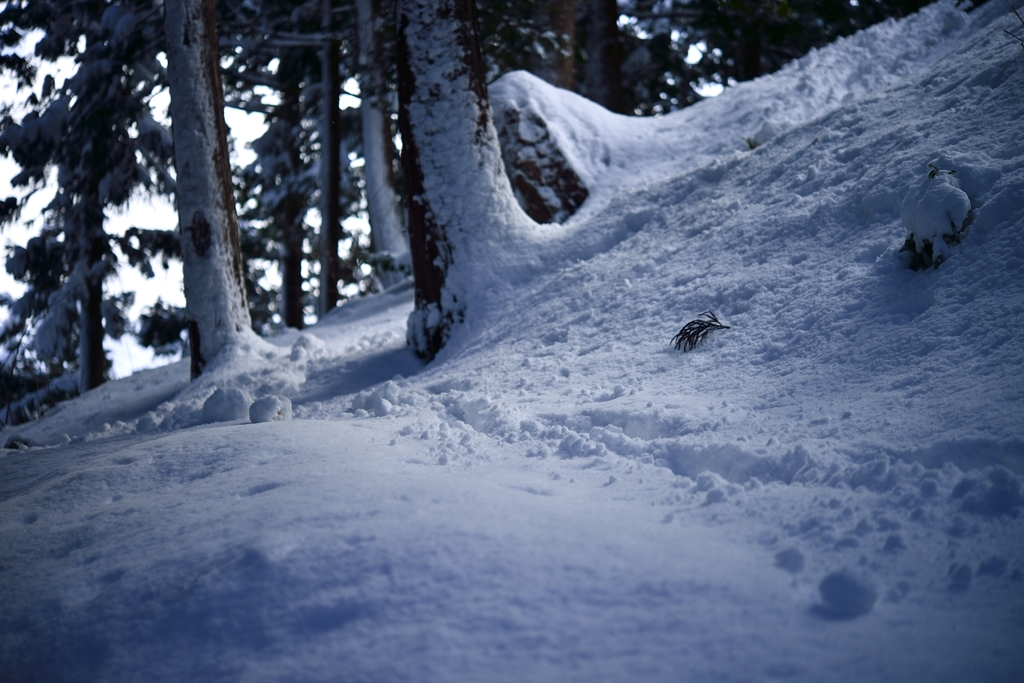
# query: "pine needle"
[695,331]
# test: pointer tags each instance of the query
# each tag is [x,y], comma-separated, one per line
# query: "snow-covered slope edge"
[835,344]
[613,153]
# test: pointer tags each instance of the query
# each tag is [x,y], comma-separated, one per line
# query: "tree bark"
[291,267]
[748,54]
[603,80]
[330,168]
[290,210]
[456,192]
[382,203]
[556,67]
[214,274]
[92,359]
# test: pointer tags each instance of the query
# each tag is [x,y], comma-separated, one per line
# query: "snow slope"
[563,496]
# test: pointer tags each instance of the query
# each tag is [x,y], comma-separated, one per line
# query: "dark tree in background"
[330,122]
[95,129]
[272,56]
[745,39]
[603,70]
[389,243]
[267,55]
[554,50]
[631,56]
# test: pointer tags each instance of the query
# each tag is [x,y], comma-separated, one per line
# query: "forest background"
[84,124]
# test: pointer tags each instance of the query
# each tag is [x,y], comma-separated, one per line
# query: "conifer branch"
[695,331]
[1014,35]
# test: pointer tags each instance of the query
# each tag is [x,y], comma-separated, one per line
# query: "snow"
[225,405]
[829,490]
[270,409]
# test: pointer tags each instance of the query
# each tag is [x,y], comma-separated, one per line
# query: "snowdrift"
[829,490]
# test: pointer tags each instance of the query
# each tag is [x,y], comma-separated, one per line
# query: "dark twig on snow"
[1014,35]
[695,331]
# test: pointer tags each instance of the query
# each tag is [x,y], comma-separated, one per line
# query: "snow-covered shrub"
[271,409]
[225,405]
[933,212]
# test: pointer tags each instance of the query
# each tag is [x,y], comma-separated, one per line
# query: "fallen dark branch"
[695,331]
[1014,35]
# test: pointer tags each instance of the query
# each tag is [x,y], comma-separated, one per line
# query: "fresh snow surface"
[829,490]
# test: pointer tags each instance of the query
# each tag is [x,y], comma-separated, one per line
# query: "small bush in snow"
[934,212]
[695,331]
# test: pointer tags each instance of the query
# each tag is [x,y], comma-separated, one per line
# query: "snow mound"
[846,594]
[225,405]
[271,409]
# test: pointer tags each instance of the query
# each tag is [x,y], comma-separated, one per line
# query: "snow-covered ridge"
[613,153]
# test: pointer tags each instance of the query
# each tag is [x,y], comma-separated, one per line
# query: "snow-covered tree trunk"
[456,192]
[382,203]
[214,273]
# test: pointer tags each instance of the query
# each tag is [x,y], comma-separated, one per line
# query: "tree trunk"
[556,67]
[291,267]
[456,192]
[92,359]
[603,80]
[290,212]
[214,274]
[748,54]
[382,203]
[330,169]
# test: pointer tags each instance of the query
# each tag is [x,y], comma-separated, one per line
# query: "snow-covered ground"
[829,490]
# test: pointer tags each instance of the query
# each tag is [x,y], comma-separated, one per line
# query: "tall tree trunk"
[556,67]
[92,359]
[291,267]
[330,169]
[603,80]
[290,213]
[456,192]
[748,53]
[382,202]
[214,275]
